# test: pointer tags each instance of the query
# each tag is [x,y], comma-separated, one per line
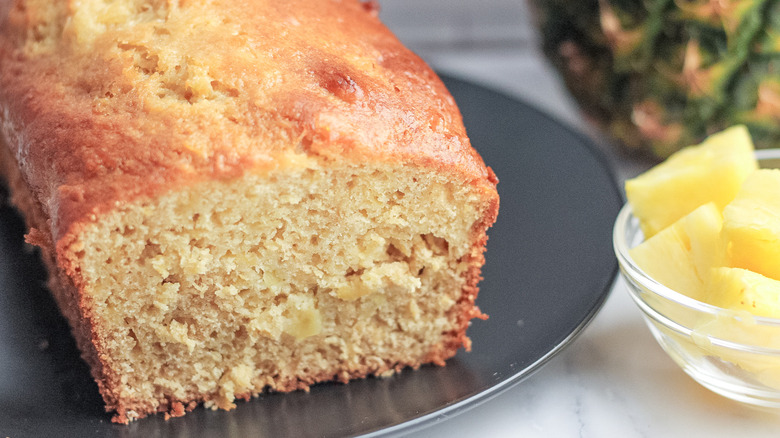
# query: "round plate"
[549,269]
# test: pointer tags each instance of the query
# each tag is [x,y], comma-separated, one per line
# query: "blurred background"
[458,22]
[494,43]
[491,42]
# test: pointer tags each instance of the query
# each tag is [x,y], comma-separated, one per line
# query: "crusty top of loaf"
[104,101]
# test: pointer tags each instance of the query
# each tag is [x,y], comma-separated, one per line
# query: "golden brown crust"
[101,136]
[91,123]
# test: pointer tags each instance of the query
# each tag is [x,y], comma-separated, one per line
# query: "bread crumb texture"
[278,282]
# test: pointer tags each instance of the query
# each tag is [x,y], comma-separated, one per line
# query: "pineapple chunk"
[751,224]
[682,255]
[740,289]
[710,172]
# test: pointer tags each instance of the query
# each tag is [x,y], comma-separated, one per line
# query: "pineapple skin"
[658,75]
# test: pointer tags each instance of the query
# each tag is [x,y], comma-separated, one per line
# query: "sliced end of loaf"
[276,281]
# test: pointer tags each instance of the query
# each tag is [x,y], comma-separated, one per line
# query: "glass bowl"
[733,353]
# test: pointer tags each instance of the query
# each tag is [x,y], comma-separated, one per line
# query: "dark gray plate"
[550,267]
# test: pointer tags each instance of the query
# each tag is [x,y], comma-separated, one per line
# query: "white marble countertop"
[614,379]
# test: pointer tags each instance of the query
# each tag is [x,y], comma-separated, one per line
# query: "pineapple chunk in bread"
[237,196]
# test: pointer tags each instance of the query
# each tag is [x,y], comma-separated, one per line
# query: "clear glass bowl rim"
[630,268]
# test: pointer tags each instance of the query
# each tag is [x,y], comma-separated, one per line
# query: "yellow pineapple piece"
[751,224]
[740,289]
[682,255]
[710,172]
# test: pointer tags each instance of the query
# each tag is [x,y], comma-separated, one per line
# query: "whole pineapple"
[662,74]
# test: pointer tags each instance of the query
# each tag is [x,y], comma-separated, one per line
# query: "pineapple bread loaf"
[235,196]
